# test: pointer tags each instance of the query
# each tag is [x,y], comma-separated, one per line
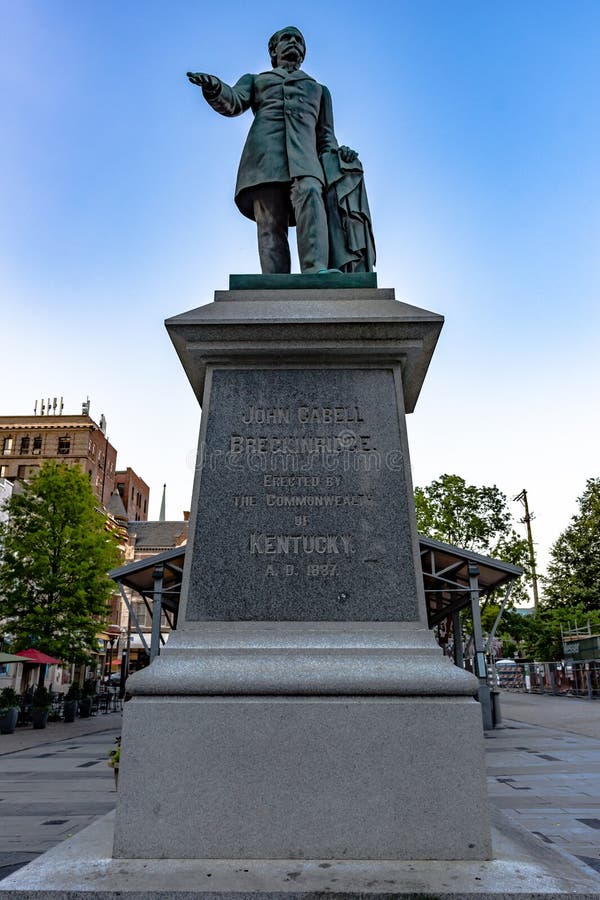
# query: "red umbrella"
[38,657]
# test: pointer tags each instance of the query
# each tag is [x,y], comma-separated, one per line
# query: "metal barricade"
[577,678]
[107,702]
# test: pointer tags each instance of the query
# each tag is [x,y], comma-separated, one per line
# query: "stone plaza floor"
[543,773]
[53,783]
[543,769]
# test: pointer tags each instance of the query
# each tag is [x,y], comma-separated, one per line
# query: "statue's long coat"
[292,128]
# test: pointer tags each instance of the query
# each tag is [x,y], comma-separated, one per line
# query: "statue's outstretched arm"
[225,99]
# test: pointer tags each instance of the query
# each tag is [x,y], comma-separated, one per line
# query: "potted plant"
[72,697]
[9,710]
[42,702]
[85,704]
[114,758]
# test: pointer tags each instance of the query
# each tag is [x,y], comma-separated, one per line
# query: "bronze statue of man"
[281,179]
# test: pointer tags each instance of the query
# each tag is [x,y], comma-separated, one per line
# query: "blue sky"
[477,123]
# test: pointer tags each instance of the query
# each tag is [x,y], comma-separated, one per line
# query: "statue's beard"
[291,57]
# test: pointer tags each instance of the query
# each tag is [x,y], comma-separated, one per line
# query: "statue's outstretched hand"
[347,154]
[209,83]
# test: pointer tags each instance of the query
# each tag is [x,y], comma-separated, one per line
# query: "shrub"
[42,699]
[89,688]
[74,692]
[9,699]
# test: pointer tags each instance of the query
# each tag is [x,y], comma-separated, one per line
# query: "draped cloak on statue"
[351,241]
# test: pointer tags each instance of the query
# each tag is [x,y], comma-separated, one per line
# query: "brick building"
[134,493]
[26,442]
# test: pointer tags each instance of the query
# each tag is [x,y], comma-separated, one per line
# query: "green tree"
[474,518]
[56,552]
[544,639]
[471,517]
[514,630]
[573,577]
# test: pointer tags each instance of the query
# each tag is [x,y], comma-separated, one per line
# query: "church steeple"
[161,515]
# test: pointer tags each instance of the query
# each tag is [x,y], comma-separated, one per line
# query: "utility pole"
[522,497]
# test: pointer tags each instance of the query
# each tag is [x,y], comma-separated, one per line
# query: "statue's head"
[287,46]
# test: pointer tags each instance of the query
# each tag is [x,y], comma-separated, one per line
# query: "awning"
[13,658]
[447,580]
[37,656]
[139,576]
[135,641]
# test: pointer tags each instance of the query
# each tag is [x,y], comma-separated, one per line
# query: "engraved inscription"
[317,492]
[260,416]
[318,499]
[322,415]
[295,544]
[328,415]
[302,499]
[324,570]
[300,444]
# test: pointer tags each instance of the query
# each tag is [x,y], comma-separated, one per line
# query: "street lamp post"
[112,640]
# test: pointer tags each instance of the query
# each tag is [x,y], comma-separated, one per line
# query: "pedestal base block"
[302,778]
[82,868]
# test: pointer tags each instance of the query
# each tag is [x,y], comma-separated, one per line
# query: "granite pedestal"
[302,709]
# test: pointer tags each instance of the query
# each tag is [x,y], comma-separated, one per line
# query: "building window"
[142,614]
[145,506]
[3,471]
[24,445]
[120,487]
[7,445]
[64,446]
[26,471]
[37,444]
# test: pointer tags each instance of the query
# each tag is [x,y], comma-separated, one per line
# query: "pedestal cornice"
[306,327]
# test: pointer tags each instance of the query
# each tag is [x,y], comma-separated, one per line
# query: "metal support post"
[552,679]
[588,681]
[156,611]
[133,618]
[505,600]
[458,643]
[480,663]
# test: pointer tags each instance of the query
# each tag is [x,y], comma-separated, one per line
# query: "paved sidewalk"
[26,737]
[575,714]
[543,777]
[543,769]
[52,786]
